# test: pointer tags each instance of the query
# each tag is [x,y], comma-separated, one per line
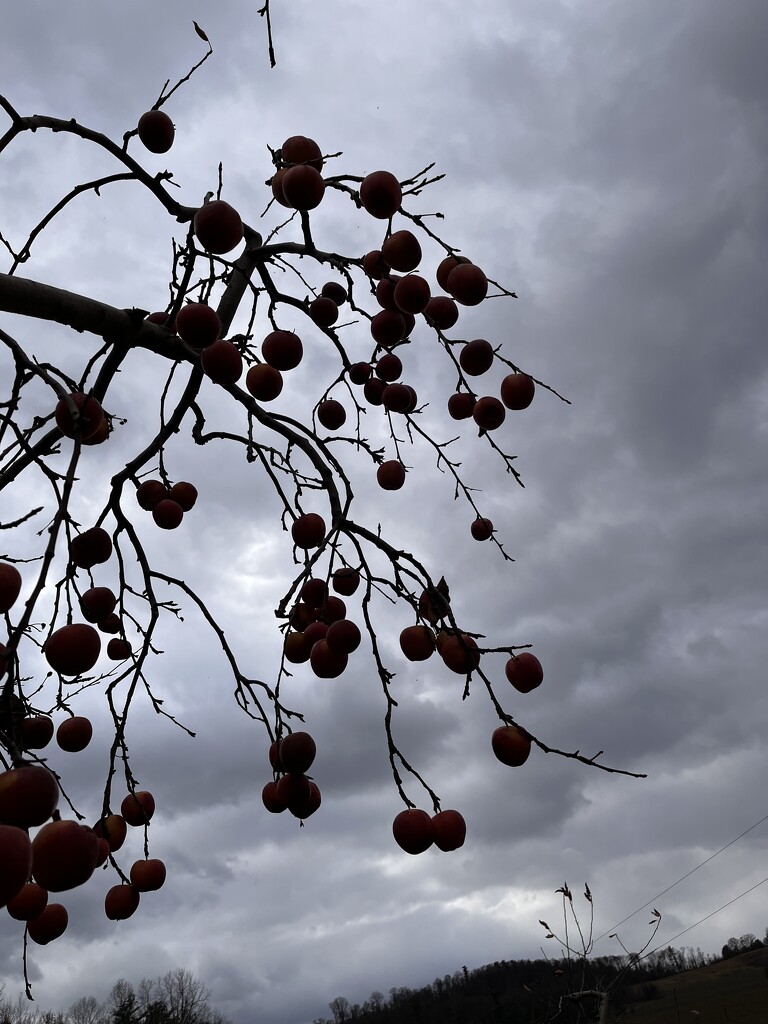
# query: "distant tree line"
[177,997]
[518,991]
[734,946]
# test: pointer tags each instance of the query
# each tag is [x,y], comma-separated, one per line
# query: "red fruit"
[323,311]
[433,605]
[374,266]
[218,227]
[36,732]
[445,267]
[343,636]
[97,603]
[460,654]
[184,494]
[295,648]
[114,829]
[137,808]
[74,734]
[467,284]
[524,672]
[16,860]
[332,609]
[488,413]
[314,592]
[304,808]
[410,323]
[303,187]
[510,745]
[30,899]
[88,422]
[121,902]
[271,800]
[103,851]
[111,624]
[90,548]
[298,149]
[389,367]
[48,925]
[397,398]
[517,391]
[222,362]
[401,251]
[385,293]
[391,475]
[417,642]
[302,615]
[29,794]
[100,435]
[374,390]
[10,586]
[168,514]
[360,372]
[413,831]
[315,631]
[277,187]
[460,405]
[327,663]
[118,649]
[64,855]
[334,290]
[482,529]
[308,531]
[293,790]
[198,324]
[297,752]
[412,294]
[161,319]
[345,581]
[441,312]
[450,830]
[387,327]
[331,414]
[73,649]
[148,875]
[282,350]
[156,131]
[264,382]
[476,357]
[150,493]
[381,194]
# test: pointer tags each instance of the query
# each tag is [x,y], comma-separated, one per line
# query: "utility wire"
[682,879]
[701,921]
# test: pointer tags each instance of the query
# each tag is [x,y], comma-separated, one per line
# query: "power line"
[682,879]
[701,921]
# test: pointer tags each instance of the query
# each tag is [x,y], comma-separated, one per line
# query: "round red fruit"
[331,414]
[156,131]
[137,808]
[450,830]
[222,362]
[198,324]
[10,586]
[413,831]
[168,514]
[517,391]
[73,649]
[391,475]
[510,745]
[381,194]
[482,529]
[308,531]
[264,382]
[488,413]
[524,672]
[218,227]
[74,734]
[50,924]
[401,251]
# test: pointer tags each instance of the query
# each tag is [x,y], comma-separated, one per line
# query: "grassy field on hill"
[733,991]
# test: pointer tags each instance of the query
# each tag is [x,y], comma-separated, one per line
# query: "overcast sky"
[606,161]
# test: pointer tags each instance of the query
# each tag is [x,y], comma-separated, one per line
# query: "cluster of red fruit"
[320,632]
[63,854]
[167,504]
[291,789]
